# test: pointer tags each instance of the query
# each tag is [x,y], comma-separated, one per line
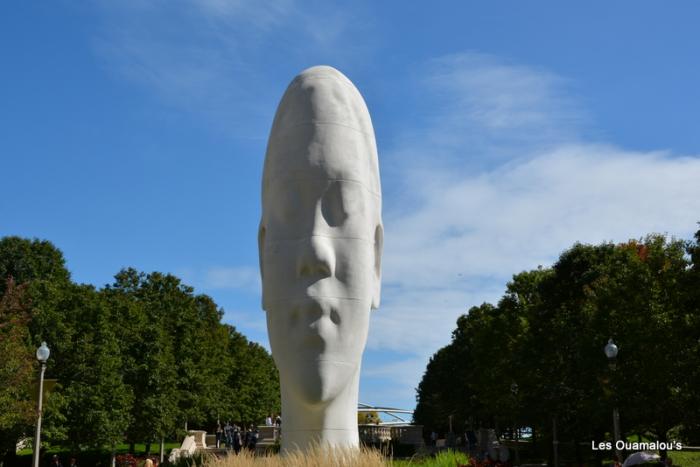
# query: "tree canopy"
[135,361]
[538,353]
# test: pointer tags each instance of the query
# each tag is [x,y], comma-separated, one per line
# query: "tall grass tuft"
[315,457]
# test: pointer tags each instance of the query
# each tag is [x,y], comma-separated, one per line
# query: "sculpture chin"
[317,345]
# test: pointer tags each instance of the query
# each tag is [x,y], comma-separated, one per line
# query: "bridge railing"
[404,434]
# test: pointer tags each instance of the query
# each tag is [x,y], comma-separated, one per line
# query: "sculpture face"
[320,235]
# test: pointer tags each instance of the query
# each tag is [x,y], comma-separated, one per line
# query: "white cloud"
[517,216]
[399,371]
[251,322]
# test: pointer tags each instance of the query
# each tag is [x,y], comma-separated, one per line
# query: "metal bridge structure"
[398,417]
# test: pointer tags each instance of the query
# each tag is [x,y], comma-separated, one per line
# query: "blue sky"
[132,133]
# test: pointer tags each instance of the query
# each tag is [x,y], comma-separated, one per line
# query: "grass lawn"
[685,458]
[140,449]
[442,459]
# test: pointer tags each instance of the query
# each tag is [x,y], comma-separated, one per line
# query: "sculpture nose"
[316,258]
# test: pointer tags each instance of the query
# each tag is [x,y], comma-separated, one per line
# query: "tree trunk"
[113,459]
[663,439]
[599,454]
[148,448]
[9,459]
[162,448]
[577,448]
[533,433]
[555,443]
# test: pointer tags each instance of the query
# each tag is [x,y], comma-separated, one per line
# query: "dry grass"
[315,457]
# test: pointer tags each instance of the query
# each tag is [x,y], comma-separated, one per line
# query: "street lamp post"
[42,354]
[611,352]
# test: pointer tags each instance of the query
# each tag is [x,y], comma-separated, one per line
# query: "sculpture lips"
[314,344]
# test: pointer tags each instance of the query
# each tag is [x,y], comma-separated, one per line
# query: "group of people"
[56,461]
[237,438]
[273,420]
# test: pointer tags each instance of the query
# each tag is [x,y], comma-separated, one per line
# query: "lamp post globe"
[611,350]
[43,352]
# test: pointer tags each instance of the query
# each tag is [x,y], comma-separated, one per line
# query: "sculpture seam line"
[320,122]
[281,174]
[296,82]
[300,239]
[286,299]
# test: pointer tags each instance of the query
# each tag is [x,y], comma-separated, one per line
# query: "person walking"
[278,427]
[237,439]
[219,435]
[228,434]
[246,438]
[254,433]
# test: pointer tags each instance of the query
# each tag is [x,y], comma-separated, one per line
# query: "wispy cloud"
[218,58]
[480,92]
[263,16]
[386,383]
[244,278]
[476,112]
[251,322]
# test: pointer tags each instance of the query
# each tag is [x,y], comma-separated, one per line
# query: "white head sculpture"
[320,243]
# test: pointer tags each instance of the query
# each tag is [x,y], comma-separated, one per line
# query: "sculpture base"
[305,440]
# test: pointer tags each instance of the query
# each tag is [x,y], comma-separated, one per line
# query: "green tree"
[138,359]
[17,372]
[37,267]
[26,260]
[98,400]
[547,335]
[689,353]
[368,418]
[253,381]
[140,308]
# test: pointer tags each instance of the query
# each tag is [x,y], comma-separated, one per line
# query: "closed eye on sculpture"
[299,207]
[333,206]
